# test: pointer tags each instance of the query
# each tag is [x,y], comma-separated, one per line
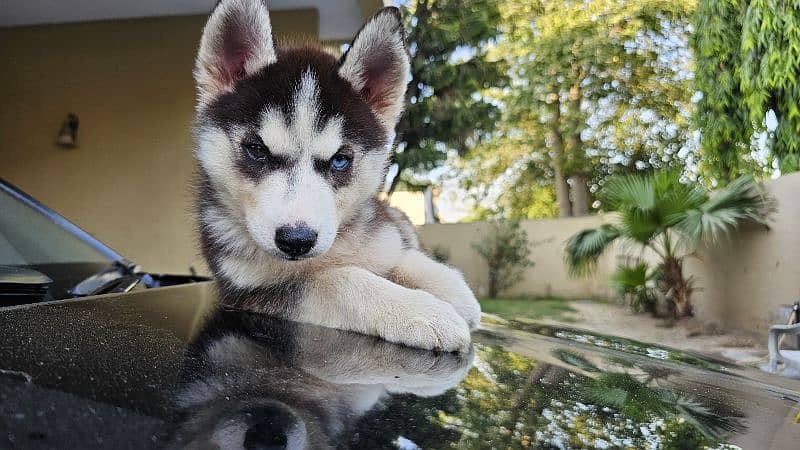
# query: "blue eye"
[340,162]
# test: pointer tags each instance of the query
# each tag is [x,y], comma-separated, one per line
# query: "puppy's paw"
[467,306]
[455,291]
[426,322]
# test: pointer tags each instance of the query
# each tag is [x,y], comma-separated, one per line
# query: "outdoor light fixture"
[68,134]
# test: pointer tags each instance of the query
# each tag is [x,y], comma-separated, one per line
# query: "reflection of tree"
[640,402]
[414,418]
[512,402]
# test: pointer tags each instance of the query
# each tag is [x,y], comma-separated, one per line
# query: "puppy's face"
[295,141]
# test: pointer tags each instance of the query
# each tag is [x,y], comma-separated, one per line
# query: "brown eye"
[255,149]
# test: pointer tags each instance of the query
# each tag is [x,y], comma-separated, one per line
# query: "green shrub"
[506,250]
[636,284]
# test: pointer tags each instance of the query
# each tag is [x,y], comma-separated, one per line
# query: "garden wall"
[744,281]
[548,276]
[741,282]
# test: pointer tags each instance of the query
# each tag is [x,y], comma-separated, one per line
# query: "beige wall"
[744,281]
[548,276]
[412,203]
[130,82]
[741,282]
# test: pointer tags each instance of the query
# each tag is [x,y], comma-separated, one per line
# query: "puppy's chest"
[377,250]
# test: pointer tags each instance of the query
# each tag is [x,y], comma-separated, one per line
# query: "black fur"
[276,84]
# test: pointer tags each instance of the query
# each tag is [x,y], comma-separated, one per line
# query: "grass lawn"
[529,308]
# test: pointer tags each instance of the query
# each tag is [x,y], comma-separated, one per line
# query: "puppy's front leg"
[354,299]
[417,270]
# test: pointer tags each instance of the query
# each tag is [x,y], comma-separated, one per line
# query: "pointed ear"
[377,65]
[236,42]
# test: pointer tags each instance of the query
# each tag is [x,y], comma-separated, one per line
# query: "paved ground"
[685,335]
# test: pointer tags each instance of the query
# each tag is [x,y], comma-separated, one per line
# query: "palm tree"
[636,284]
[661,214]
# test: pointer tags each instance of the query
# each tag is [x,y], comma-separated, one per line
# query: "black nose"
[270,429]
[295,241]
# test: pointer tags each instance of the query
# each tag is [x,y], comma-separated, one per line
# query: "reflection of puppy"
[293,146]
[256,382]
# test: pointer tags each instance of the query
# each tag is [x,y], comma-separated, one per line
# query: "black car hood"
[166,368]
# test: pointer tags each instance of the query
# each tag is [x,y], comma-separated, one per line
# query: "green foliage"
[575,359]
[747,58]
[670,218]
[636,284]
[528,308]
[597,87]
[719,214]
[447,41]
[626,394]
[584,249]
[506,250]
[638,401]
[725,127]
[769,70]
[511,401]
[681,435]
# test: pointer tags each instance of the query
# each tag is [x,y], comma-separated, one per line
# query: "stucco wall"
[130,83]
[743,281]
[548,276]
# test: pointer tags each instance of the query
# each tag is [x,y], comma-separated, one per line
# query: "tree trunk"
[560,181]
[562,194]
[676,288]
[493,281]
[574,146]
[580,195]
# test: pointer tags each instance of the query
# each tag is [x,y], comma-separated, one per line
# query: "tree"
[748,65]
[724,123]
[447,41]
[507,253]
[671,219]
[596,87]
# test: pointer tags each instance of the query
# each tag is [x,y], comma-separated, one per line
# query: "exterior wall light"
[68,135]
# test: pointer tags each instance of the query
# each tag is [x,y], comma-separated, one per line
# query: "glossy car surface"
[166,368]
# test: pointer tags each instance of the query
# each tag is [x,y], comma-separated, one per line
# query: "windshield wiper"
[120,276]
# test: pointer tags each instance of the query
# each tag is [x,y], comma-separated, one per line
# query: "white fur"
[445,283]
[354,299]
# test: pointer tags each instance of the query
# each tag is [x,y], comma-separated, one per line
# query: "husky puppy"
[293,145]
[255,382]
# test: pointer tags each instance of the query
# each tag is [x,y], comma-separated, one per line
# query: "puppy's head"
[294,141]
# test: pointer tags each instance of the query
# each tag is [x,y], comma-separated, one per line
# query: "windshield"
[33,236]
